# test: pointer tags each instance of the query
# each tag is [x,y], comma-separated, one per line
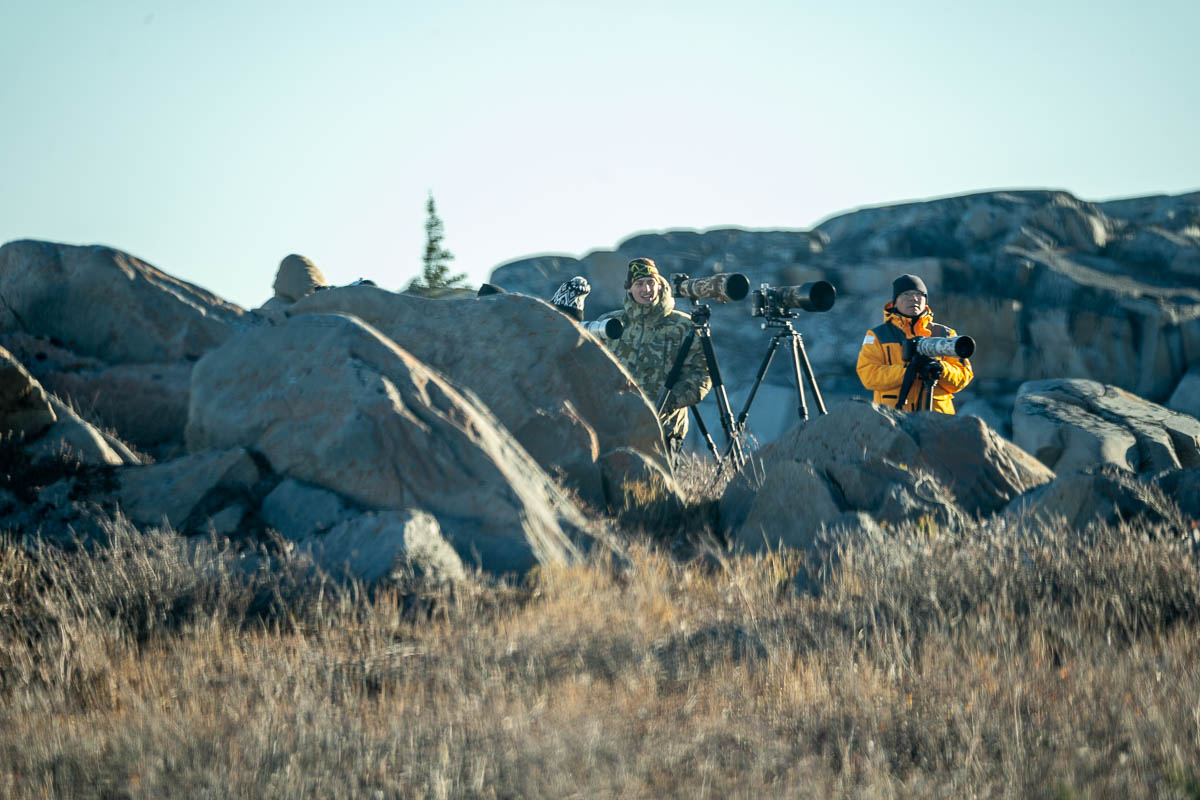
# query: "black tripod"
[800,365]
[700,316]
[913,371]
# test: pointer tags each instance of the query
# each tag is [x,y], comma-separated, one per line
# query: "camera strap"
[676,369]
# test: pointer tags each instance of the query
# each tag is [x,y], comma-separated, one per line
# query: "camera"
[604,328]
[778,302]
[939,346]
[723,288]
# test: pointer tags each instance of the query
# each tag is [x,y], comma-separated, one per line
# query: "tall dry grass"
[1008,660]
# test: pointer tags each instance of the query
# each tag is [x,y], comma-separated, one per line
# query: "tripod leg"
[708,440]
[762,371]
[723,408]
[808,372]
[799,383]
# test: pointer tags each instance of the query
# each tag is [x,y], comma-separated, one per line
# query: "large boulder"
[559,391]
[1105,495]
[330,401]
[107,304]
[1077,424]
[863,458]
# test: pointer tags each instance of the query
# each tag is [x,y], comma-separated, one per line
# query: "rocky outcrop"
[1105,496]
[1050,286]
[1075,425]
[867,461]
[558,391]
[332,402]
[174,493]
[103,303]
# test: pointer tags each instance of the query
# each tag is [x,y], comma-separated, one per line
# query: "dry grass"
[1001,662]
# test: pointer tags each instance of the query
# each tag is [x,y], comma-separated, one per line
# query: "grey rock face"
[1186,397]
[103,303]
[1105,495]
[863,458]
[76,438]
[298,510]
[173,491]
[379,545]
[330,401]
[1078,424]
[558,391]
[25,410]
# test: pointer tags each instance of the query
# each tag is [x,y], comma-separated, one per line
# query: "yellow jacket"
[881,365]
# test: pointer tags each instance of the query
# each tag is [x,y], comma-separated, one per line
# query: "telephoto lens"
[605,328]
[811,296]
[722,288]
[943,346]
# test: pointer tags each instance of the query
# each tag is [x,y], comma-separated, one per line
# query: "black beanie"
[907,283]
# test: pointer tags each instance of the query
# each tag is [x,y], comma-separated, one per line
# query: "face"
[910,303]
[644,291]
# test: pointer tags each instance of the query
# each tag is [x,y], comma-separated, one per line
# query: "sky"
[212,139]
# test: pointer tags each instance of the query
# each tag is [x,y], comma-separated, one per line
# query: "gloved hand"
[931,370]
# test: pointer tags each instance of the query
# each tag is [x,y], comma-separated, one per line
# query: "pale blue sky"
[212,139]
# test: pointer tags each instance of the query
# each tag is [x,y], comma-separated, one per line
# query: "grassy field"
[1007,660]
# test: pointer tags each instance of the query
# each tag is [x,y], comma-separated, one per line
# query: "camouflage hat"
[640,268]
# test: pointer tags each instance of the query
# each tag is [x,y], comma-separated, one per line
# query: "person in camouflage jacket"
[653,333]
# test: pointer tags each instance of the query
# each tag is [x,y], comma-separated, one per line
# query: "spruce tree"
[435,279]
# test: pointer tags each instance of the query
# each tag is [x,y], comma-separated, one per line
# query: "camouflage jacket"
[647,348]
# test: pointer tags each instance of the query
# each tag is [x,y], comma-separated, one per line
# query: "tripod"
[925,398]
[800,366]
[700,316]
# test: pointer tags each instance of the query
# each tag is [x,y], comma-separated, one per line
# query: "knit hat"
[570,297]
[908,283]
[640,268]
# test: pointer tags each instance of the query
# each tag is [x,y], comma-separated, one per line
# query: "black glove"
[931,370]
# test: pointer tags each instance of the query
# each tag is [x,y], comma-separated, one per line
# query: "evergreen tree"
[435,279]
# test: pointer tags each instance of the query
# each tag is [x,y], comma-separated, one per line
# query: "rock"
[1075,424]
[1183,487]
[555,387]
[632,482]
[1107,496]
[73,437]
[146,404]
[981,470]
[297,277]
[103,303]
[864,458]
[332,402]
[381,545]
[25,411]
[1186,397]
[172,492]
[298,510]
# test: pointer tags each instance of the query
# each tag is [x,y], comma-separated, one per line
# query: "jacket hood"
[912,327]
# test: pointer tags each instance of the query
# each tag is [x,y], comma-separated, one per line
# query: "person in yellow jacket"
[881,365]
